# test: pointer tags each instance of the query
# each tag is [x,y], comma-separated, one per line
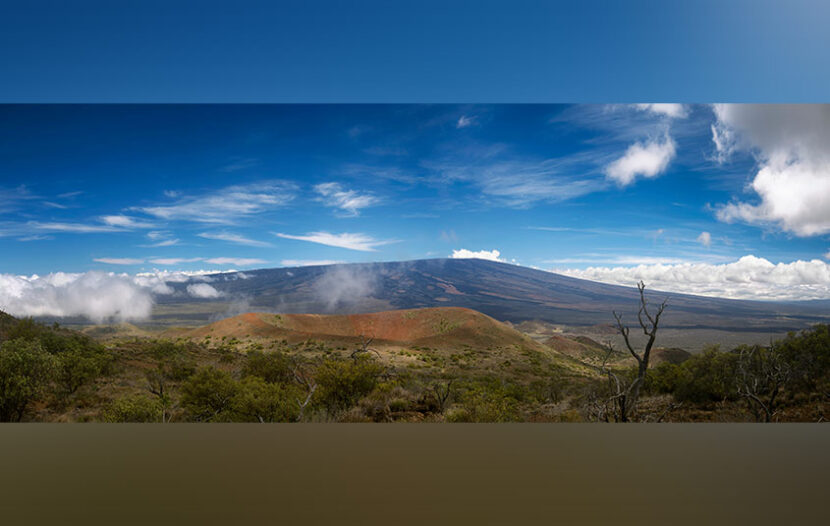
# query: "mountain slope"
[502,291]
[449,327]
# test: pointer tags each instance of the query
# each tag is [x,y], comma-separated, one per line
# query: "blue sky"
[187,187]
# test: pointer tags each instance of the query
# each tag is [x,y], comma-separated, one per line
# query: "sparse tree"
[762,374]
[364,347]
[626,393]
[307,382]
[443,392]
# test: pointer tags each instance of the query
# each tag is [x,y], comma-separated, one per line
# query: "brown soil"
[445,326]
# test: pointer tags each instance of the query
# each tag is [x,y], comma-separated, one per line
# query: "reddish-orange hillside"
[433,326]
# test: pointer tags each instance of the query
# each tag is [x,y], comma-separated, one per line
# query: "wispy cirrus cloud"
[239,262]
[227,204]
[465,121]
[161,238]
[351,241]
[127,222]
[75,228]
[309,262]
[349,202]
[238,239]
[12,198]
[173,261]
[119,261]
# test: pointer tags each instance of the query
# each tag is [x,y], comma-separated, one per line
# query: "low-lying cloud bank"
[750,278]
[98,296]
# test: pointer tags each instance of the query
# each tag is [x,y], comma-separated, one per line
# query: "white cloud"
[749,277]
[161,238]
[519,183]
[351,241]
[119,261]
[164,243]
[240,262]
[227,204]
[349,201]
[465,121]
[234,238]
[617,260]
[792,146]
[492,255]
[123,221]
[309,262]
[76,228]
[705,239]
[98,296]
[203,290]
[674,111]
[642,159]
[173,261]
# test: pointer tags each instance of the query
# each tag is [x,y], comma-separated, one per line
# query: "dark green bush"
[26,371]
[341,383]
[273,367]
[259,401]
[208,395]
[137,408]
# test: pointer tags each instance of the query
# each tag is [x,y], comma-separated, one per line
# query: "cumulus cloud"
[674,111]
[227,204]
[705,239]
[749,277]
[119,261]
[492,255]
[98,296]
[351,241]
[203,290]
[791,144]
[350,202]
[648,160]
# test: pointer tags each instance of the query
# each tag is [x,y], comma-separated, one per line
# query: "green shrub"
[137,408]
[259,401]
[208,395]
[341,383]
[76,368]
[273,367]
[26,370]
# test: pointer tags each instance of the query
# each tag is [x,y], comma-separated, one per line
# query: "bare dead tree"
[364,347]
[612,403]
[648,323]
[303,377]
[762,373]
[443,393]
[158,385]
